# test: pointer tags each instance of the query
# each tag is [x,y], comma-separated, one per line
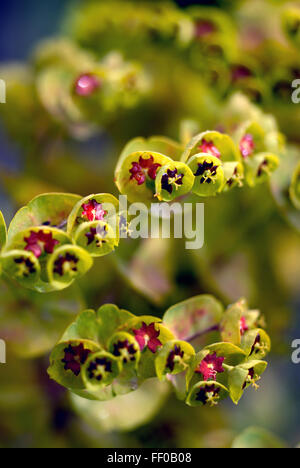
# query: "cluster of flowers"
[52,241]
[212,162]
[111,351]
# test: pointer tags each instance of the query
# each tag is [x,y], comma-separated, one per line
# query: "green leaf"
[209,174]
[64,351]
[242,376]
[230,326]
[206,393]
[223,143]
[3,231]
[195,315]
[126,412]
[111,319]
[66,264]
[173,358]
[50,208]
[127,185]
[256,437]
[180,182]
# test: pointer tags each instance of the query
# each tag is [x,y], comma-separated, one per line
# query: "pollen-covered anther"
[26,267]
[75,357]
[39,242]
[247,145]
[210,366]
[125,350]
[174,357]
[209,148]
[208,395]
[93,211]
[208,171]
[99,368]
[171,180]
[147,336]
[86,84]
[66,264]
[145,167]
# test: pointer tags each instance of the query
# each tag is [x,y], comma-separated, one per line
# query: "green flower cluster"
[111,352]
[211,163]
[52,241]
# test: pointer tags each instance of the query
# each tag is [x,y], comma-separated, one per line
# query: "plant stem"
[202,333]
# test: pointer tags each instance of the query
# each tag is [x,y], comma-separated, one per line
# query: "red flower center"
[210,366]
[39,242]
[147,335]
[243,326]
[144,168]
[86,84]
[209,148]
[93,211]
[247,145]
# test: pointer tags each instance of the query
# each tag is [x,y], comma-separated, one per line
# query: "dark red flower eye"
[247,146]
[171,179]
[28,266]
[208,394]
[39,242]
[210,366]
[125,350]
[93,211]
[172,355]
[65,263]
[86,84]
[204,27]
[207,170]
[96,234]
[93,369]
[147,335]
[74,357]
[210,148]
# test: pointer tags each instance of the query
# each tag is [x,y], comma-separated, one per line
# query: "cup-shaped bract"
[250,138]
[256,343]
[206,394]
[173,180]
[135,174]
[100,370]
[233,175]
[123,346]
[259,168]
[209,174]
[98,238]
[67,360]
[22,266]
[173,358]
[66,264]
[291,24]
[215,144]
[96,207]
[243,376]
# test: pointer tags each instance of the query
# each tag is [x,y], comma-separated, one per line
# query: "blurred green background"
[251,248]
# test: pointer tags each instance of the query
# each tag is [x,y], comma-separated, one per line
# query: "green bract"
[213,143]
[173,180]
[209,174]
[112,352]
[259,168]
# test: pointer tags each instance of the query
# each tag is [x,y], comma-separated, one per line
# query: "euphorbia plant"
[206,352]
